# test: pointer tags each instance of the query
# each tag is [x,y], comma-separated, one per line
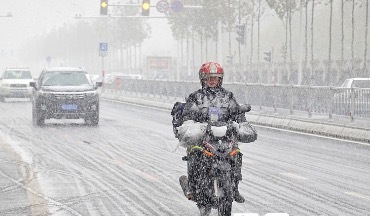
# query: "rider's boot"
[184,183]
[237,196]
[205,210]
[191,188]
[238,177]
[192,166]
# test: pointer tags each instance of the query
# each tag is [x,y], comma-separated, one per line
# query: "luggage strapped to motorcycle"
[177,116]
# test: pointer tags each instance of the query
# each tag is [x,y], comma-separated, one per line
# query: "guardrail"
[353,102]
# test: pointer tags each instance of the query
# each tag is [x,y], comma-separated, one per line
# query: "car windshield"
[70,78]
[17,74]
[361,84]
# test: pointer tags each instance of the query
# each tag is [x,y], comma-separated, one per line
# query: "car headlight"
[92,94]
[43,94]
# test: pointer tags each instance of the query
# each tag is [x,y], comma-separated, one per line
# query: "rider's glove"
[232,129]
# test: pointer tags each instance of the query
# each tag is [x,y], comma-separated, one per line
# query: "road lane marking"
[37,201]
[363,196]
[291,175]
[315,135]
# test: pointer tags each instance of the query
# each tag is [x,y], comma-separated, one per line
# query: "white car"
[15,83]
[353,97]
[356,83]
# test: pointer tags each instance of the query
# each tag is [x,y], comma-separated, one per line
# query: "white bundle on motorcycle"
[191,133]
[246,133]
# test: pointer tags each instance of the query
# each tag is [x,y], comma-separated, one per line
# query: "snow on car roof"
[64,69]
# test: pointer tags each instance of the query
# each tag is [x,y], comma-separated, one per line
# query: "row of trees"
[197,29]
[192,24]
[77,44]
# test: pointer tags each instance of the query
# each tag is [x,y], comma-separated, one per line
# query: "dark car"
[65,93]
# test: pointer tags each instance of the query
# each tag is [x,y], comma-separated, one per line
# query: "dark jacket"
[198,105]
[198,102]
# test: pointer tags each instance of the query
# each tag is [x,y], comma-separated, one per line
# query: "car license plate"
[69,106]
[18,94]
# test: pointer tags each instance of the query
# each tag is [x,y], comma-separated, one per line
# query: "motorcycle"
[213,162]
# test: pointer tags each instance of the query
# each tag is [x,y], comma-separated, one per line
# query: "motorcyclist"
[196,110]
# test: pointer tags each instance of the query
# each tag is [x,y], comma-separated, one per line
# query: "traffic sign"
[162,6]
[103,49]
[177,6]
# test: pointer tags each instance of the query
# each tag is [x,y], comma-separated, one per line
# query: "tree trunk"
[365,73]
[201,47]
[329,78]
[312,56]
[193,50]
[258,39]
[252,26]
[353,36]
[306,39]
[290,40]
[342,40]
[229,29]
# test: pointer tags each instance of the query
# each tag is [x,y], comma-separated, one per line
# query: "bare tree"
[261,11]
[342,38]
[353,34]
[365,72]
[330,39]
[312,56]
[252,27]
[305,35]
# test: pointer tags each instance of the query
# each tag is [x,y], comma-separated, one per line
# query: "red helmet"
[210,69]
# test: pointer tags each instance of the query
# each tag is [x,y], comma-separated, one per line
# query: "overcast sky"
[32,17]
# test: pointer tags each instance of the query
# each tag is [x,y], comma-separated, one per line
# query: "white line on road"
[291,175]
[363,196]
[316,135]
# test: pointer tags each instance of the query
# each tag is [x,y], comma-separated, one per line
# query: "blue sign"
[177,6]
[103,47]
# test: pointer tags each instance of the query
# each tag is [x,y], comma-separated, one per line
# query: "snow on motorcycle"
[212,151]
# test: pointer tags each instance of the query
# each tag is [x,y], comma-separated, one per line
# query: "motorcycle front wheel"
[225,195]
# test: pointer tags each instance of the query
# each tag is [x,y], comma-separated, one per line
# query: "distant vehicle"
[161,75]
[109,78]
[353,97]
[15,83]
[129,76]
[112,77]
[95,78]
[356,83]
[65,92]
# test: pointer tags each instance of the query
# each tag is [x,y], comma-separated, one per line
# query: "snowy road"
[129,165]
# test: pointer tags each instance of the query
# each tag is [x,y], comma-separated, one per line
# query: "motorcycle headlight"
[219,131]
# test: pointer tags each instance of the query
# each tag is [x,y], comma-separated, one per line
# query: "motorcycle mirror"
[245,108]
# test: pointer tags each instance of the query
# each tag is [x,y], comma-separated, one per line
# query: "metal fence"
[353,102]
